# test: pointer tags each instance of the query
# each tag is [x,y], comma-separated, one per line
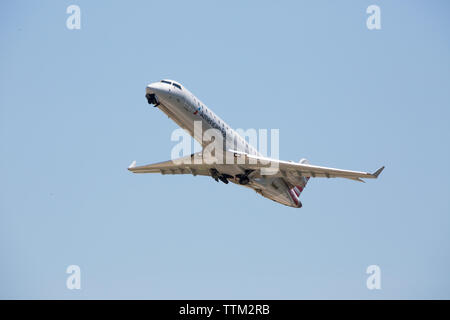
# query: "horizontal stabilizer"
[357,179]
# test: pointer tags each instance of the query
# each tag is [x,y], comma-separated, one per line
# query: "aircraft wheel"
[244,180]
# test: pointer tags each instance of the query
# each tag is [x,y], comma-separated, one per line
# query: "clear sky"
[73,117]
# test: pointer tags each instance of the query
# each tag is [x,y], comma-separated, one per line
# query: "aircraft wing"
[286,168]
[242,162]
[185,165]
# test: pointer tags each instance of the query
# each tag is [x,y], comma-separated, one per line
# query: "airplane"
[245,165]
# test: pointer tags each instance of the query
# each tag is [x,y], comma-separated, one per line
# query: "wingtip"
[377,173]
[132,165]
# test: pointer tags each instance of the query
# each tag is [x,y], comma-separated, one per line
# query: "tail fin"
[295,197]
[298,188]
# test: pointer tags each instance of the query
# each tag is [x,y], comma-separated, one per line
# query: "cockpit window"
[177,85]
[164,81]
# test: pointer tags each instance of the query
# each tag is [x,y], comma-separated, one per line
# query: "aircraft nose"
[154,88]
[155,93]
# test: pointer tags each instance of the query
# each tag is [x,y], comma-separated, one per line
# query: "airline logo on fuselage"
[211,121]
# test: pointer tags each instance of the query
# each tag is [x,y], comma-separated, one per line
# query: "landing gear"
[217,176]
[223,179]
[243,178]
[152,99]
[214,174]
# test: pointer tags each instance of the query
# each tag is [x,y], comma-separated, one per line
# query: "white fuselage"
[247,166]
[184,108]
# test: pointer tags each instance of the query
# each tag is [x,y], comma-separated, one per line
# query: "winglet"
[132,165]
[377,173]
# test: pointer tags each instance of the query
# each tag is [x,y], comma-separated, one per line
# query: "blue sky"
[73,116]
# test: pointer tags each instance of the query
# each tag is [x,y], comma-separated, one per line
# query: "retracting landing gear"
[217,176]
[243,178]
[223,179]
[152,99]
